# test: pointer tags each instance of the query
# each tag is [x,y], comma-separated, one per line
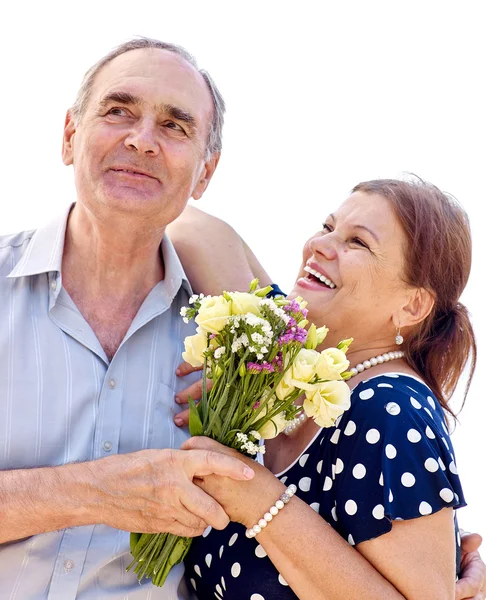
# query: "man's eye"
[118,112]
[174,126]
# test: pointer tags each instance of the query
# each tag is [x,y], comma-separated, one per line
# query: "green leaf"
[195,424]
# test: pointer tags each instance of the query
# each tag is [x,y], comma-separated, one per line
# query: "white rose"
[327,402]
[213,314]
[284,389]
[243,303]
[273,427]
[194,346]
[332,362]
[303,368]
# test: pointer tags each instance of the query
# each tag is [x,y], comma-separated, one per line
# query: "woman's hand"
[194,391]
[245,503]
[472,582]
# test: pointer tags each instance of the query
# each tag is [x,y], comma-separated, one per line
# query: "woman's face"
[359,253]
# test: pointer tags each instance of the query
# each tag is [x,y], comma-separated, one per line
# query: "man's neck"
[116,258]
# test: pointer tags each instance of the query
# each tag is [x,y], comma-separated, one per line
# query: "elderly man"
[90,337]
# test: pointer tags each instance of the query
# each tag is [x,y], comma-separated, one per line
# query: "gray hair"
[214,141]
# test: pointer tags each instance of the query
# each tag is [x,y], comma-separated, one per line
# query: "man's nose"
[144,138]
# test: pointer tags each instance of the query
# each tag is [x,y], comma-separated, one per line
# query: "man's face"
[140,145]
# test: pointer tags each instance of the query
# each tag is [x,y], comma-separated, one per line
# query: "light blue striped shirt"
[62,401]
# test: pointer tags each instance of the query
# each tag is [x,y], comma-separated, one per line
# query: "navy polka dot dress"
[388,458]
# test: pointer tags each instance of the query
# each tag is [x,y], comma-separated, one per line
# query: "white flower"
[327,401]
[273,427]
[195,345]
[243,303]
[213,314]
[303,368]
[218,353]
[332,362]
[183,311]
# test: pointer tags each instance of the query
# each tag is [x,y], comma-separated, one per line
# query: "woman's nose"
[324,245]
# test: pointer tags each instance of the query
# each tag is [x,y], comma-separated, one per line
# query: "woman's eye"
[326,227]
[356,240]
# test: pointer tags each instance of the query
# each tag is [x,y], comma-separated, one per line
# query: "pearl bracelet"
[273,511]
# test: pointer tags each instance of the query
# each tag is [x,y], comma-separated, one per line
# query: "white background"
[320,96]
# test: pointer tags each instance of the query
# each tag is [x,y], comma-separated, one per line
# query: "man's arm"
[213,255]
[145,491]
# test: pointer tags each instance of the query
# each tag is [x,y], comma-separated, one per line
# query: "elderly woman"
[373,512]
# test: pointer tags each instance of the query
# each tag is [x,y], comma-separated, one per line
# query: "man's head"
[144,134]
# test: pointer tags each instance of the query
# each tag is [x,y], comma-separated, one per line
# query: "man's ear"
[417,309]
[68,139]
[206,174]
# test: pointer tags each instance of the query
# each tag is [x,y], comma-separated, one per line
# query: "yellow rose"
[194,347]
[303,368]
[273,427]
[284,388]
[213,314]
[327,401]
[332,362]
[243,303]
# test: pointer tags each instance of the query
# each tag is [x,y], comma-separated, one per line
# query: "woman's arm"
[213,255]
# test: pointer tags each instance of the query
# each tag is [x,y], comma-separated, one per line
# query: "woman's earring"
[398,338]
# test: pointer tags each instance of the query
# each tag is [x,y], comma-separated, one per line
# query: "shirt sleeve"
[393,459]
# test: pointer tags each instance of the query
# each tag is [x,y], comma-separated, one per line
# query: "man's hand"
[472,582]
[152,490]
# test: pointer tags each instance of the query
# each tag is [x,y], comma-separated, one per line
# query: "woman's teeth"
[320,276]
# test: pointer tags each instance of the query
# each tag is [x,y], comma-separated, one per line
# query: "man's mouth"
[314,275]
[134,172]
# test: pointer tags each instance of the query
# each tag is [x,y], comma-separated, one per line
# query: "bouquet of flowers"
[261,357]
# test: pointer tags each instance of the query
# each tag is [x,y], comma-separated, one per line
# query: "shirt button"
[69,565]
[112,383]
[53,285]
[107,446]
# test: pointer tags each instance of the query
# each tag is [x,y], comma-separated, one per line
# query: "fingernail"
[177,399]
[248,473]
[178,421]
[178,371]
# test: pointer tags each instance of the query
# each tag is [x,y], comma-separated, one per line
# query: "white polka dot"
[393,408]
[441,464]
[445,443]
[456,497]
[359,471]
[282,580]
[445,428]
[339,466]
[379,512]
[386,385]
[351,507]
[446,495]
[390,497]
[327,484]
[367,394]
[431,402]
[452,467]
[198,570]
[260,551]
[431,465]
[219,590]
[391,375]
[208,559]
[408,480]
[380,481]
[415,403]
[223,583]
[303,460]
[413,436]
[372,436]
[221,551]
[334,513]
[350,540]
[429,433]
[284,478]
[315,506]
[459,541]
[390,451]
[193,583]
[319,466]
[233,539]
[411,388]
[350,428]
[333,471]
[425,508]
[236,569]
[256,597]
[338,420]
[305,483]
[428,412]
[335,436]
[207,531]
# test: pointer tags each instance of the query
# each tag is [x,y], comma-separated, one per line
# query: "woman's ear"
[68,138]
[418,307]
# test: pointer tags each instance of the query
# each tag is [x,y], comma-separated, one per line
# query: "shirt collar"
[44,255]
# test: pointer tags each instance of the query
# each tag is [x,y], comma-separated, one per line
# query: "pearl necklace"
[359,368]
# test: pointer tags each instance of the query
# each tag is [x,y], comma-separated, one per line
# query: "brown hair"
[438,258]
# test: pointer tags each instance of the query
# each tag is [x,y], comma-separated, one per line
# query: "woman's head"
[399,254]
